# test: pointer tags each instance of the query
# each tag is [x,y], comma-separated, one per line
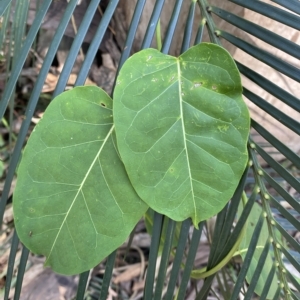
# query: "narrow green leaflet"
[149,218]
[264,236]
[3,6]
[74,202]
[182,128]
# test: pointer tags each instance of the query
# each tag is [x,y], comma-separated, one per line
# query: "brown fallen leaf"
[51,81]
[35,120]
[132,272]
[139,285]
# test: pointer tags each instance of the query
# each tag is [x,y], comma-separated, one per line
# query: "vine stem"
[158,36]
[203,273]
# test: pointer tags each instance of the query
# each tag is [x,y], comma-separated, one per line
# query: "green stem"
[203,273]
[9,129]
[158,36]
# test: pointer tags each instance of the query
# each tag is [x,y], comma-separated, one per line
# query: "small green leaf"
[182,129]
[73,201]
[264,236]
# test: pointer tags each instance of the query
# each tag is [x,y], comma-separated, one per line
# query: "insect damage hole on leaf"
[198,84]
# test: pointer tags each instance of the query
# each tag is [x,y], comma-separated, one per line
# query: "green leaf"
[264,236]
[182,128]
[74,202]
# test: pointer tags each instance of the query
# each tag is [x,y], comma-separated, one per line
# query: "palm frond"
[156,233]
[260,183]
[268,283]
[271,11]
[11,263]
[270,87]
[83,278]
[259,32]
[107,275]
[94,46]
[190,261]
[182,241]
[21,272]
[3,6]
[76,45]
[241,278]
[262,55]
[273,111]
[164,259]
[189,28]
[292,5]
[15,73]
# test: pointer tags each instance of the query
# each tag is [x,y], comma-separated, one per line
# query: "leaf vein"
[184,139]
[80,187]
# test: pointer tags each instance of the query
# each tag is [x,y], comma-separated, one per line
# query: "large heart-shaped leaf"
[73,201]
[182,128]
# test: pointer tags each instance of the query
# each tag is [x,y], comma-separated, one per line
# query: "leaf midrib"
[184,134]
[80,188]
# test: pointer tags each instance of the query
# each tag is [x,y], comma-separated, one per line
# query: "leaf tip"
[196,223]
[47,263]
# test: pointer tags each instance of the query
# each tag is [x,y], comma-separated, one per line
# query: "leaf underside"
[243,248]
[73,201]
[182,129]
